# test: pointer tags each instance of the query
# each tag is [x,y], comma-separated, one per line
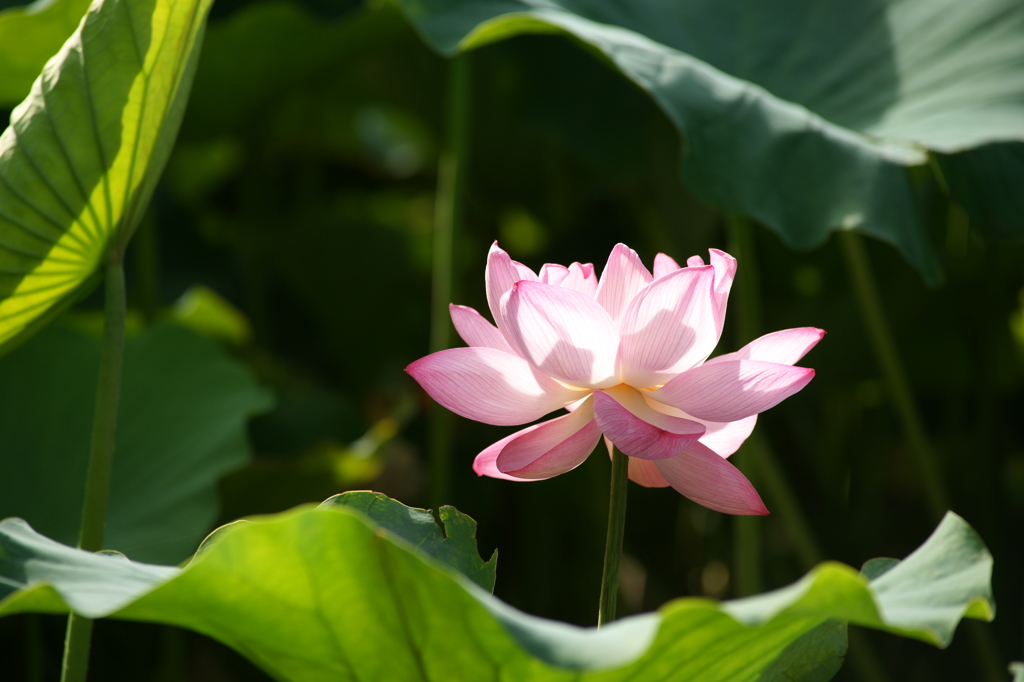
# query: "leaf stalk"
[451,191]
[97,482]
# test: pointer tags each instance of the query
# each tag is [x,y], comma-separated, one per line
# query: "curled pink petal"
[725,271]
[485,463]
[476,331]
[623,278]
[732,389]
[664,264]
[551,448]
[724,438]
[639,438]
[711,481]
[489,385]
[551,273]
[785,347]
[668,327]
[562,333]
[501,273]
[694,262]
[581,278]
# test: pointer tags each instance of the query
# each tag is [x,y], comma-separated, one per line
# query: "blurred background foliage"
[294,225]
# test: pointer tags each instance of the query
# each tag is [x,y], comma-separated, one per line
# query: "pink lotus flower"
[626,355]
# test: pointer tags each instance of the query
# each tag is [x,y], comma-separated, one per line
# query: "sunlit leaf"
[182,422]
[29,36]
[81,157]
[320,594]
[803,116]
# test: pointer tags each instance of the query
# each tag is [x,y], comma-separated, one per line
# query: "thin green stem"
[97,481]
[613,542]
[747,307]
[892,370]
[449,204]
[147,268]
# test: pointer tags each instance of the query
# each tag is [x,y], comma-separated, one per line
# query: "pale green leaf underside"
[80,158]
[802,115]
[314,595]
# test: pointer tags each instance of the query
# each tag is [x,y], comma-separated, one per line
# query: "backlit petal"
[561,332]
[489,385]
[551,448]
[477,331]
[623,278]
[645,473]
[637,437]
[710,480]
[732,389]
[501,273]
[724,438]
[725,271]
[582,279]
[551,273]
[785,347]
[669,327]
[664,264]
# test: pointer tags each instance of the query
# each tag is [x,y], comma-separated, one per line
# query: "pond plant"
[128,433]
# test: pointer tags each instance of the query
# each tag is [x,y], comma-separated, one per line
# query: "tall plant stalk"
[451,183]
[895,378]
[101,452]
[892,370]
[613,540]
[747,529]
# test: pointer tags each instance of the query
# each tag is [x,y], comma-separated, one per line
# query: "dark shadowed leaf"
[802,116]
[182,422]
[452,544]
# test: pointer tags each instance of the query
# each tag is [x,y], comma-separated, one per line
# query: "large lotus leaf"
[184,406]
[321,594]
[28,37]
[82,154]
[802,115]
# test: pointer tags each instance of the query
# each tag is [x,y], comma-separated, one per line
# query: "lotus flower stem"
[892,370]
[451,180]
[613,542]
[97,481]
[747,535]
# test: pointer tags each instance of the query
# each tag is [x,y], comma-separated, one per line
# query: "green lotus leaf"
[323,594]
[802,116]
